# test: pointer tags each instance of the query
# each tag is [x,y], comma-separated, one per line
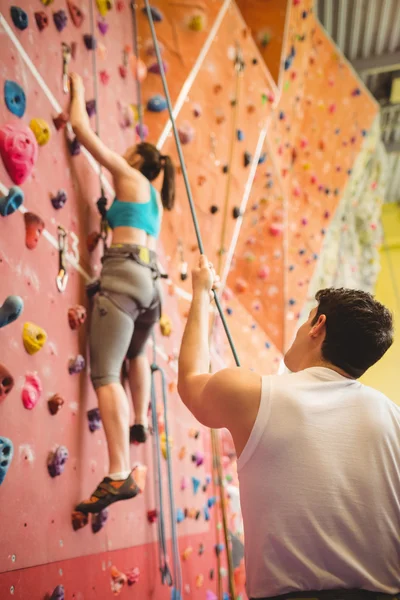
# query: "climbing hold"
[76,365]
[219,548]
[194,433]
[157,103]
[19,17]
[11,310]
[152,515]
[163,443]
[187,552]
[240,135]
[79,520]
[156,14]
[262,159]
[94,419]
[41,20]
[14,97]
[199,581]
[60,20]
[77,16]
[165,325]
[41,130]
[99,520]
[236,212]
[56,461]
[76,316]
[225,168]
[60,121]
[184,482]
[213,209]
[103,6]
[133,576]
[275,229]
[102,26]
[155,68]
[47,2]
[247,159]
[55,403]
[201,549]
[104,77]
[197,22]
[182,453]
[6,455]
[206,513]
[19,151]
[186,133]
[74,146]
[240,285]
[91,107]
[59,200]
[211,501]
[198,458]
[92,240]
[196,484]
[34,337]
[211,574]
[58,593]
[263,272]
[34,226]
[31,391]
[210,595]
[197,110]
[118,580]
[138,68]
[180,516]
[6,382]
[142,131]
[90,41]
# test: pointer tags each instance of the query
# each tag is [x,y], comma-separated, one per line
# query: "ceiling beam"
[377,64]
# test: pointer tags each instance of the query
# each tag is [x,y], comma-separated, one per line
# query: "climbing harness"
[184,172]
[102,201]
[62,277]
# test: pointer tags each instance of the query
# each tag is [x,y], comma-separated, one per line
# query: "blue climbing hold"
[157,103]
[14,97]
[175,594]
[10,203]
[19,17]
[267,345]
[287,64]
[281,115]
[11,310]
[240,135]
[155,13]
[292,301]
[211,501]
[262,159]
[180,515]
[219,548]
[6,454]
[196,484]
[229,311]
[225,596]
[206,513]
[291,267]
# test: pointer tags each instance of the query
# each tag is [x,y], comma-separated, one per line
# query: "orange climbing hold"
[187,552]
[118,580]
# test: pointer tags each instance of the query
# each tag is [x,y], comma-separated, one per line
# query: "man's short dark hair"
[359,329]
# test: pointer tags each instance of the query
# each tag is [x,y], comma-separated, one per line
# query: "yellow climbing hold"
[163,442]
[41,131]
[103,6]
[196,23]
[34,337]
[187,552]
[47,2]
[165,325]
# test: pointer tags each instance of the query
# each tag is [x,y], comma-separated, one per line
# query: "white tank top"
[320,487]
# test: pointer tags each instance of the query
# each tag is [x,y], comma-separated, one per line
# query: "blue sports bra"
[145,216]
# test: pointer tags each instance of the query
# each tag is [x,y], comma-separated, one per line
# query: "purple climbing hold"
[90,41]
[60,20]
[91,107]
[157,103]
[74,147]
[155,68]
[19,17]
[103,26]
[6,455]
[58,593]
[142,131]
[59,200]
[94,419]
[56,461]
[356,92]
[76,365]
[156,14]
[99,520]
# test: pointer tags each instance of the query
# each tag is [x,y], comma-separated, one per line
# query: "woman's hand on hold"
[204,278]
[77,87]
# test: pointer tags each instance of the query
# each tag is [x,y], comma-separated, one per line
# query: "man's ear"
[318,327]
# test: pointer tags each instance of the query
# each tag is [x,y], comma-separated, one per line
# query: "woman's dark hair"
[359,329]
[153,162]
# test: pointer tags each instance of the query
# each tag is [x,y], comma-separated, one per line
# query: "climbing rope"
[102,201]
[184,173]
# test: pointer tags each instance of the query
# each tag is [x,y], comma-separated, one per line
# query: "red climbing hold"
[77,16]
[79,520]
[104,77]
[6,382]
[34,226]
[152,515]
[133,576]
[60,121]
[41,20]
[19,151]
[76,316]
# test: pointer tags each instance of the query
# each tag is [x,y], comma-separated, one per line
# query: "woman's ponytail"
[168,186]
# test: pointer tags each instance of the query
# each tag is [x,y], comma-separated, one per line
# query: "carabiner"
[62,277]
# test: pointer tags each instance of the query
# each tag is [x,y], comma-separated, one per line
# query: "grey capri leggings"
[124,312]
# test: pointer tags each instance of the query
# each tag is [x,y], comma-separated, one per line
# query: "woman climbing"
[128,302]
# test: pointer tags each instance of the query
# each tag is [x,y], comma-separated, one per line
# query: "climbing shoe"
[138,434]
[108,492]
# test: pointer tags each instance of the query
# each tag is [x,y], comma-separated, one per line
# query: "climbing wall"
[269,153]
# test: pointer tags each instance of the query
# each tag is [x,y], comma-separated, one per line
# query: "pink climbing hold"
[104,77]
[275,229]
[19,151]
[197,110]
[133,576]
[186,133]
[31,391]
[263,272]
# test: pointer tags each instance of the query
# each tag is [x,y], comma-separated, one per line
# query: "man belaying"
[128,301]
[319,452]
